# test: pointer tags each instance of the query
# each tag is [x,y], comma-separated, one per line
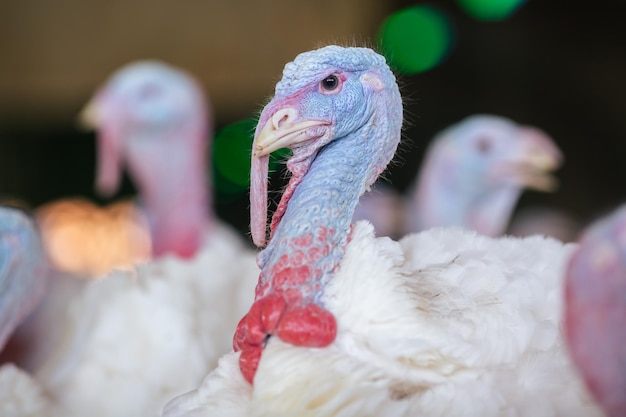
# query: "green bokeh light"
[490,9]
[231,152]
[415,39]
[232,147]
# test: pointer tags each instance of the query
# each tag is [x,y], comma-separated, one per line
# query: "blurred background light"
[232,148]
[415,39]
[231,153]
[491,10]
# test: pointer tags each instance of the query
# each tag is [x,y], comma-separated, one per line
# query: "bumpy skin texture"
[595,311]
[360,122]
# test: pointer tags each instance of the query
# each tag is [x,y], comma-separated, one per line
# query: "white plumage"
[21,396]
[441,323]
[135,339]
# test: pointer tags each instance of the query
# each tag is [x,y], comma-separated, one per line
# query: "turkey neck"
[310,239]
[438,204]
[175,192]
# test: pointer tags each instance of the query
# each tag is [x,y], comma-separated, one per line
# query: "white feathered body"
[442,323]
[21,395]
[135,339]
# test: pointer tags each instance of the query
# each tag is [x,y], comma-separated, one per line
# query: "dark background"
[560,66]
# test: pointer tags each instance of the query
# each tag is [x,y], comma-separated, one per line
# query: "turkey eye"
[483,145]
[330,83]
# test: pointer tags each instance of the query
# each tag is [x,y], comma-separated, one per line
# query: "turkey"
[472,176]
[23,270]
[153,118]
[475,172]
[135,338]
[595,310]
[23,280]
[446,322]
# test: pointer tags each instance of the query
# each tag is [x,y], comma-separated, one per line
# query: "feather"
[441,323]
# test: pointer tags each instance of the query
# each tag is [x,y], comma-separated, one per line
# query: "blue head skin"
[340,111]
[22,270]
[475,171]
[300,99]
[595,311]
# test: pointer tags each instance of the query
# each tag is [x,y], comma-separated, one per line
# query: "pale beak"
[88,116]
[536,173]
[280,131]
[534,166]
